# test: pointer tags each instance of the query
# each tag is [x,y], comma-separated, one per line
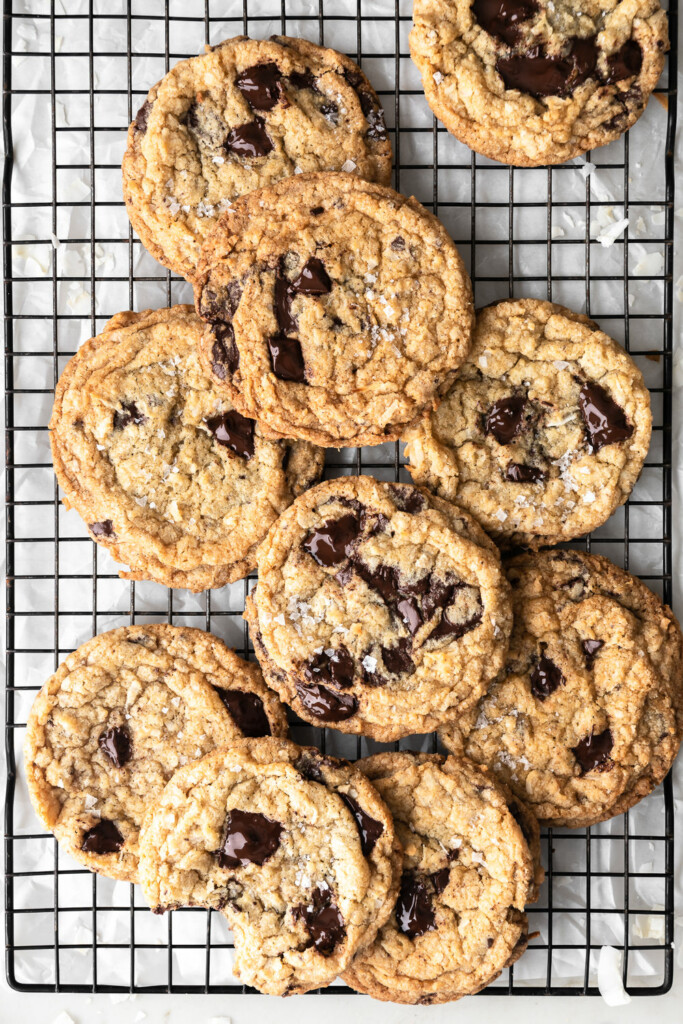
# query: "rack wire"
[523,232]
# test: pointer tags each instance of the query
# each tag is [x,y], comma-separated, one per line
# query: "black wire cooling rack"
[87,66]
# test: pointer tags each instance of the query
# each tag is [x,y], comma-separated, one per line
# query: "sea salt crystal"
[348,166]
[556,231]
[501,515]
[589,497]
[369,663]
[438,77]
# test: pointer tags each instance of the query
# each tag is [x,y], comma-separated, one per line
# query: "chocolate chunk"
[332,542]
[440,880]
[142,117]
[323,920]
[398,244]
[282,298]
[219,305]
[234,431]
[317,210]
[303,80]
[505,418]
[590,650]
[439,593]
[326,705]
[104,837]
[501,18]
[386,581]
[625,63]
[247,711]
[540,74]
[249,140]
[308,766]
[249,839]
[225,356]
[103,529]
[414,911]
[369,830]
[337,668]
[455,630]
[408,499]
[546,677]
[372,112]
[260,85]
[313,279]
[605,421]
[115,743]
[286,358]
[592,753]
[330,111]
[518,473]
[129,413]
[397,659]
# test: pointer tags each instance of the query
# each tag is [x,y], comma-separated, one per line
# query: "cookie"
[532,82]
[242,115]
[295,848]
[379,608]
[545,431]
[118,717]
[586,718]
[338,310]
[468,873]
[167,475]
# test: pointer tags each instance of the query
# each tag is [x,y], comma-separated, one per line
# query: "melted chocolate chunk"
[249,839]
[590,650]
[225,356]
[303,80]
[546,677]
[369,830]
[313,279]
[286,358]
[103,529]
[115,743]
[625,63]
[104,837]
[540,74]
[455,630]
[337,668]
[505,418]
[218,306]
[260,85]
[249,140]
[520,474]
[323,920]
[414,911]
[397,659]
[439,593]
[234,431]
[317,210]
[605,421]
[129,413]
[373,113]
[142,117]
[407,499]
[398,243]
[592,753]
[282,297]
[326,705]
[387,582]
[332,542]
[440,880]
[501,18]
[247,712]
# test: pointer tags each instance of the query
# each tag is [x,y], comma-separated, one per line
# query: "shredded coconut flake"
[610,982]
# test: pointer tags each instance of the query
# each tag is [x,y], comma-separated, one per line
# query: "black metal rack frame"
[44,930]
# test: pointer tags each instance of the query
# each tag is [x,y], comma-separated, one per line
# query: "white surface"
[329,1009]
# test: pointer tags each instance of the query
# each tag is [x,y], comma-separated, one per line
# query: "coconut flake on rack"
[651,264]
[610,982]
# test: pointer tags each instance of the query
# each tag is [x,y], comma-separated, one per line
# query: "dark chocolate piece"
[605,421]
[592,753]
[104,837]
[247,711]
[505,418]
[325,704]
[249,839]
[501,18]
[546,677]
[323,920]
[233,431]
[249,140]
[369,829]
[115,743]
[260,85]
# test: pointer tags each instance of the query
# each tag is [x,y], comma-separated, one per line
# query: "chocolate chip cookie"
[468,873]
[339,310]
[379,609]
[531,82]
[296,849]
[168,476]
[120,715]
[586,718]
[242,115]
[545,430]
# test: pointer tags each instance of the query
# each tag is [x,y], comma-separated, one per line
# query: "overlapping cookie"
[297,850]
[116,720]
[379,609]
[242,115]
[168,476]
[587,716]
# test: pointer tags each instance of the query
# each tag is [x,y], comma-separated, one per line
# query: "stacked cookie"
[332,311]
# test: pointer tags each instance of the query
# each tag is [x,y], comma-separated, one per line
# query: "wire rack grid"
[75,72]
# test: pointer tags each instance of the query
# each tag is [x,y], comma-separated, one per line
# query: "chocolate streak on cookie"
[542,74]
[501,18]
[369,829]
